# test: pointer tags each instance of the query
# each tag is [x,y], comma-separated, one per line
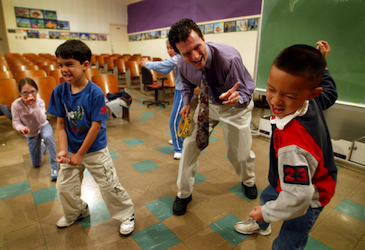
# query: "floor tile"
[133,142]
[144,118]
[98,213]
[157,236]
[169,149]
[148,113]
[113,155]
[353,209]
[315,244]
[225,228]
[45,195]
[162,208]
[240,191]
[14,190]
[144,166]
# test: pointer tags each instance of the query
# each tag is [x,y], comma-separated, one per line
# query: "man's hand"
[231,96]
[185,111]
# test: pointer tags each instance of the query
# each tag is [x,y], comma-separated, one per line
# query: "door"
[118,39]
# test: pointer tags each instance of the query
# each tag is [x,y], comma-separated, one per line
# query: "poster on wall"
[253,24]
[23,22]
[35,13]
[84,36]
[242,25]
[102,37]
[21,12]
[50,24]
[209,28]
[32,33]
[218,28]
[63,25]
[74,35]
[54,34]
[230,26]
[43,34]
[50,14]
[65,35]
[202,28]
[37,23]
[93,37]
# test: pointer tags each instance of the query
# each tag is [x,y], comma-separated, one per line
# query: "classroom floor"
[29,205]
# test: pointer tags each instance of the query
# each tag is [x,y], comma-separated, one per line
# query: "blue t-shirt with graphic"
[79,111]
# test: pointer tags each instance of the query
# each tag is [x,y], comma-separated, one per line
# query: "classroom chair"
[6,75]
[119,71]
[109,84]
[133,74]
[150,84]
[56,74]
[8,92]
[30,73]
[90,72]
[45,87]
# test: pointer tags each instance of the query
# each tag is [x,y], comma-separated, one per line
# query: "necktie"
[202,135]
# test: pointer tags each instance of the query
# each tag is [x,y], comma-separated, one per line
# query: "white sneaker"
[177,156]
[61,223]
[127,226]
[170,142]
[250,226]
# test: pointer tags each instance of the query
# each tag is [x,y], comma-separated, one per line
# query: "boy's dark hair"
[24,81]
[302,60]
[74,49]
[181,30]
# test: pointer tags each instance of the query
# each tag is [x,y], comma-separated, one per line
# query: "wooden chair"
[8,92]
[48,68]
[6,75]
[109,84]
[56,74]
[45,87]
[17,68]
[119,71]
[4,68]
[133,74]
[30,73]
[93,60]
[99,62]
[150,84]
[155,59]
[108,64]
[90,72]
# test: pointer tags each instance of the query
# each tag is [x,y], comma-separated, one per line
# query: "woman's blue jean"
[294,233]
[36,151]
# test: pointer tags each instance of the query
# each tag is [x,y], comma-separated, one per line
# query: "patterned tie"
[202,135]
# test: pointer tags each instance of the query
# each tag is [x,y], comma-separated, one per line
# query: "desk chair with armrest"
[149,85]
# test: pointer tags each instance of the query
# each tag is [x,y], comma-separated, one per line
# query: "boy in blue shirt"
[80,108]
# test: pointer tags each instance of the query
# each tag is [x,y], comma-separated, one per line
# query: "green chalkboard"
[340,22]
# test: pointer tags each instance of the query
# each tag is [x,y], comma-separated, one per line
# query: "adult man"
[229,92]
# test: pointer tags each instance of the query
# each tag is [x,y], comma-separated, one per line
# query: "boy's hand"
[62,157]
[256,214]
[76,159]
[324,48]
[231,96]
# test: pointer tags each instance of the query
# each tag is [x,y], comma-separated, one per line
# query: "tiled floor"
[29,205]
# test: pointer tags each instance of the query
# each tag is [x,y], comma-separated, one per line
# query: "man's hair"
[302,60]
[180,31]
[74,49]
[24,81]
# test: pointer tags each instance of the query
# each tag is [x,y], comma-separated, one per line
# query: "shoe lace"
[247,221]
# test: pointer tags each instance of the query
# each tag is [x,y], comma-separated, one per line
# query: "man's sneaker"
[180,205]
[250,226]
[170,142]
[127,226]
[250,192]
[177,156]
[61,223]
[54,175]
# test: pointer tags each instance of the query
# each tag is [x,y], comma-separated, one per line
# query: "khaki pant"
[101,167]
[238,140]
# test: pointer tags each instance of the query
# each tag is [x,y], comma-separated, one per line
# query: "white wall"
[245,42]
[90,16]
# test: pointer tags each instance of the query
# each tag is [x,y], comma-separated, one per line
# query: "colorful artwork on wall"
[21,12]
[32,33]
[50,14]
[37,23]
[35,13]
[63,25]
[54,34]
[23,22]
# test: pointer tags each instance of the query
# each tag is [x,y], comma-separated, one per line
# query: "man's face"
[193,50]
